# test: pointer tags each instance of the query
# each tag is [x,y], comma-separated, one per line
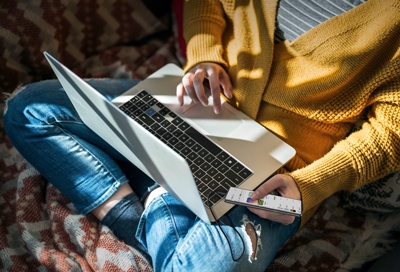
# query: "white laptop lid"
[241,136]
[131,140]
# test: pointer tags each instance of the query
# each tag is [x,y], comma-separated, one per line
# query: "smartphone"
[270,202]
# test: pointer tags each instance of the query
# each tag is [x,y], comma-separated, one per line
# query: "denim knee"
[24,102]
[44,127]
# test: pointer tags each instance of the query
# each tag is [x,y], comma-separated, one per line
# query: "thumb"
[266,188]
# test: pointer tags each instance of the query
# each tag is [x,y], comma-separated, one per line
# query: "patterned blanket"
[41,230]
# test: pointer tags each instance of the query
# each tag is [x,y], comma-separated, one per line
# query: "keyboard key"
[215,199]
[207,195]
[199,161]
[139,103]
[221,189]
[173,141]
[216,163]
[137,112]
[145,107]
[147,98]
[177,121]
[134,99]
[237,167]
[177,133]
[218,177]
[203,153]
[163,111]
[190,142]
[223,168]
[245,173]
[192,156]
[206,179]
[212,171]
[196,147]
[203,140]
[160,131]
[158,117]
[165,123]
[179,145]
[152,102]
[194,167]
[226,183]
[146,119]
[171,128]
[205,166]
[230,162]
[155,127]
[209,158]
[202,187]
[222,156]
[150,111]
[200,173]
[213,185]
[140,122]
[184,126]
[186,151]
[235,178]
[183,137]
[131,107]
[167,136]
[142,94]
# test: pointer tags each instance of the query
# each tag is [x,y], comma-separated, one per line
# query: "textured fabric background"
[39,228]
[76,32]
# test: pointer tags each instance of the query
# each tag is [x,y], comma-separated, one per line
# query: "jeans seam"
[65,121]
[192,232]
[97,159]
[117,182]
[166,213]
[170,215]
[10,96]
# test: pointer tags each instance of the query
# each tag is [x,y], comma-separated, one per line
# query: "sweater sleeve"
[204,24]
[364,156]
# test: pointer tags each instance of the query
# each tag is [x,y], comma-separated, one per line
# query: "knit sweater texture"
[312,91]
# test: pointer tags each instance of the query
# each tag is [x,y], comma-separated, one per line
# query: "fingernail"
[254,196]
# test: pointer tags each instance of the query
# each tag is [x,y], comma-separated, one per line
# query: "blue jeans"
[44,127]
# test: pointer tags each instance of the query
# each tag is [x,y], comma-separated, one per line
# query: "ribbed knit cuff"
[323,178]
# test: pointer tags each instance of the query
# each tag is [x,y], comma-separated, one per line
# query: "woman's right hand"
[287,187]
[192,84]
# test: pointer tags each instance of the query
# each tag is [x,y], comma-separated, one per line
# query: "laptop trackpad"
[219,125]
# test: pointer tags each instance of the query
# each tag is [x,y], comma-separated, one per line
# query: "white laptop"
[188,150]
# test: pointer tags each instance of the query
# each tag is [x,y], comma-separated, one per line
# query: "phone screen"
[269,202]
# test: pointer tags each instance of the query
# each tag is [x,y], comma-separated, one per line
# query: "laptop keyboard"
[213,168]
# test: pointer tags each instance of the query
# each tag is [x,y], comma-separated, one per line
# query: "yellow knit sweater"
[310,92]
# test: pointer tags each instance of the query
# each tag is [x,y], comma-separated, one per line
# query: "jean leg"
[45,128]
[178,241]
